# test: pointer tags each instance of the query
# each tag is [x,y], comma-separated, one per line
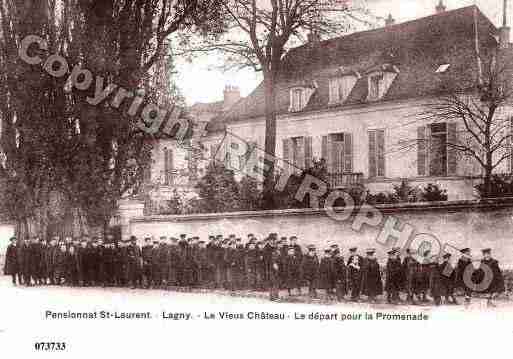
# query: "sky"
[202,81]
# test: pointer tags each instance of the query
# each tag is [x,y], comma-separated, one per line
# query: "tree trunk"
[487,182]
[270,139]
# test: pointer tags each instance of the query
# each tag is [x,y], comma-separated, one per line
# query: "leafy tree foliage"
[66,163]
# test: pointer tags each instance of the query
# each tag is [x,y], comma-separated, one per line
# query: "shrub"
[380,198]
[433,193]
[500,186]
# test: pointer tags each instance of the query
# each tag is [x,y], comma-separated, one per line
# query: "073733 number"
[50,346]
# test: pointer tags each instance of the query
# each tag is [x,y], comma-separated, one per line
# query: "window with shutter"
[377,153]
[373,167]
[308,152]
[337,153]
[348,153]
[438,149]
[421,151]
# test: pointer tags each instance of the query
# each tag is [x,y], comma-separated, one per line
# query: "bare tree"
[260,33]
[484,130]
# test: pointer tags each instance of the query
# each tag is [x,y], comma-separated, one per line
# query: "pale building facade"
[356,102]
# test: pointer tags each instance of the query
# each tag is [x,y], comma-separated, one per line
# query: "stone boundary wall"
[474,224]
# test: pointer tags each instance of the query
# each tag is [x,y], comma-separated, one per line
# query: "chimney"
[440,8]
[505,30]
[389,20]
[231,96]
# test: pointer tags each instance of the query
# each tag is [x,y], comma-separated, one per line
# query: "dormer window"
[341,87]
[375,86]
[442,68]
[380,78]
[300,95]
[297,103]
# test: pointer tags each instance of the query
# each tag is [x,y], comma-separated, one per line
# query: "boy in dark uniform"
[339,274]
[134,263]
[354,266]
[411,268]
[156,277]
[496,285]
[274,290]
[34,260]
[251,266]
[447,278]
[11,260]
[292,268]
[393,277]
[311,270]
[463,263]
[326,273]
[435,281]
[371,277]
[60,261]
[146,253]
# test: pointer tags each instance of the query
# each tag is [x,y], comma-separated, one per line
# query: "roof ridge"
[397,25]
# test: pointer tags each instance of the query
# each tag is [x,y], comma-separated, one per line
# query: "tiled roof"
[417,48]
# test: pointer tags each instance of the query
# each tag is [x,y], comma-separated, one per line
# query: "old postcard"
[254,178]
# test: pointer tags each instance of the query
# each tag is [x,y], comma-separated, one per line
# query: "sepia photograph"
[256,177]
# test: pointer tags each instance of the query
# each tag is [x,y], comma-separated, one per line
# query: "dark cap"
[392,251]
[487,251]
[465,250]
[370,251]
[353,249]
[183,235]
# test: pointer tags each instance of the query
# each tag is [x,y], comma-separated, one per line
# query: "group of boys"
[229,263]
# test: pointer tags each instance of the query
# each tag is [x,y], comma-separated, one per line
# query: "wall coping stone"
[447,206]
